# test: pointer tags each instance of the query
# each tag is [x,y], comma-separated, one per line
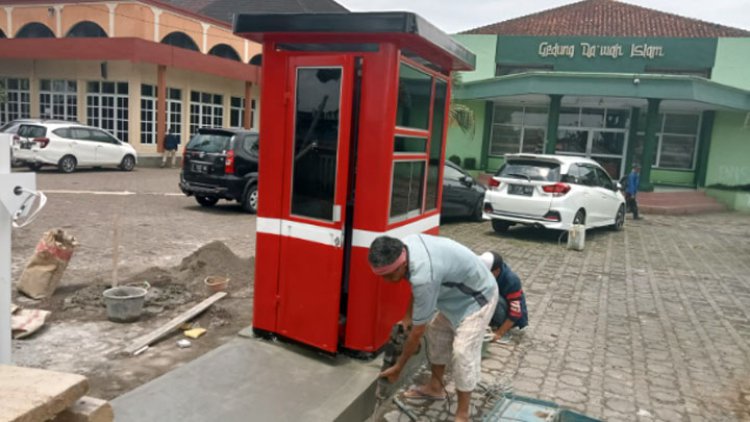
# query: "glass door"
[316,168]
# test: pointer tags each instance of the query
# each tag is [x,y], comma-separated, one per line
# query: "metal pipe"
[5,239]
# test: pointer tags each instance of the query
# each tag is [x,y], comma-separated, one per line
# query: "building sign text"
[590,51]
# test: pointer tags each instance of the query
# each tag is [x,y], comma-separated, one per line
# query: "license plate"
[520,190]
[26,145]
[199,168]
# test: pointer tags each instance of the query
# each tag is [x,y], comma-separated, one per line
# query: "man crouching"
[453,299]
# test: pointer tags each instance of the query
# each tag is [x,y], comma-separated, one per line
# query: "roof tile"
[608,18]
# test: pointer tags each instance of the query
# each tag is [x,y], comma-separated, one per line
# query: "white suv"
[69,145]
[554,192]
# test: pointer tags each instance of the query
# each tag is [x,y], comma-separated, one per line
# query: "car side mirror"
[618,186]
[468,181]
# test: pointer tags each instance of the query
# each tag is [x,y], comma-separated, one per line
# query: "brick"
[87,409]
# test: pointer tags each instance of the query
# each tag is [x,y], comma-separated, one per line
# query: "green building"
[618,83]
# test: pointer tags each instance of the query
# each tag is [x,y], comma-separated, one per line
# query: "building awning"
[681,88]
[135,50]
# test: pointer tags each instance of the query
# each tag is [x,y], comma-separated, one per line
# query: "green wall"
[463,144]
[484,47]
[732,62]
[729,157]
[672,177]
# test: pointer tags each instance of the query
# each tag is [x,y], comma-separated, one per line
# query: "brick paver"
[648,324]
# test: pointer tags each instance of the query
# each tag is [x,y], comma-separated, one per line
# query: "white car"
[554,192]
[70,145]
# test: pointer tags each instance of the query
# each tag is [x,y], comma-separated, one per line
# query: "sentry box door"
[316,170]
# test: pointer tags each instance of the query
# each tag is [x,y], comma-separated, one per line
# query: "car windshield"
[531,170]
[210,142]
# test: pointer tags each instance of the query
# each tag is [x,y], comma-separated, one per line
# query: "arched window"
[180,39]
[86,29]
[225,51]
[35,30]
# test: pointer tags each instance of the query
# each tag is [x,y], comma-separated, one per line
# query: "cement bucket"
[124,303]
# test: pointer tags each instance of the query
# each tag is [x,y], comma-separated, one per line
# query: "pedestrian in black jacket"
[171,143]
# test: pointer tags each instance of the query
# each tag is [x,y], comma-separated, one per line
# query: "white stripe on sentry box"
[328,236]
[297,230]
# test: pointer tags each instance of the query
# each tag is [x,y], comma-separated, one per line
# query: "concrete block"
[32,395]
[87,409]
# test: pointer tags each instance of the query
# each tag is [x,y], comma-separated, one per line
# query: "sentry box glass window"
[316,141]
[418,143]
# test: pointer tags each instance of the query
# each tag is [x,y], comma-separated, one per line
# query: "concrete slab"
[31,395]
[253,379]
[87,409]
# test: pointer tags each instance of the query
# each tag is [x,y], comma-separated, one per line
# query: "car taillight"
[229,162]
[43,142]
[16,139]
[558,189]
[488,208]
[494,183]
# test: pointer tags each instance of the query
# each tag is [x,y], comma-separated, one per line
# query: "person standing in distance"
[171,143]
[634,179]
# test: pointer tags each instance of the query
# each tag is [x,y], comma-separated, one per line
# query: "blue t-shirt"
[446,276]
[633,181]
[509,286]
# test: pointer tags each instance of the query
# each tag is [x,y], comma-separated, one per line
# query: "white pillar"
[112,9]
[58,20]
[9,21]
[205,37]
[157,13]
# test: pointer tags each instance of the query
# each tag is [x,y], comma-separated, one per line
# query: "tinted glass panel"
[530,170]
[407,144]
[572,141]
[210,142]
[611,143]
[605,180]
[592,117]
[533,141]
[508,115]
[505,139]
[535,116]
[406,192]
[436,143]
[569,117]
[414,88]
[677,152]
[611,165]
[617,119]
[316,141]
[686,124]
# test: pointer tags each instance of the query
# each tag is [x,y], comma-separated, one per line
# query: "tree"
[461,115]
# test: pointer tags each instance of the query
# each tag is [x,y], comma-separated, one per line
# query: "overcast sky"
[458,15]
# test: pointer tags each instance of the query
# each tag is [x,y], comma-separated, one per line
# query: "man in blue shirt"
[171,143]
[453,298]
[511,307]
[634,179]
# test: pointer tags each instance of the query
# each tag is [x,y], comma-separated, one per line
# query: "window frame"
[118,103]
[641,134]
[419,157]
[17,104]
[49,96]
[522,126]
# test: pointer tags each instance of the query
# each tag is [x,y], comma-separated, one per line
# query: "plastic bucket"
[125,303]
[215,283]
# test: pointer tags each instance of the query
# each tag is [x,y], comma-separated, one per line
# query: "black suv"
[222,163]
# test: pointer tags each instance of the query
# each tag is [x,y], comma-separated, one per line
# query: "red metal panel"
[266,281]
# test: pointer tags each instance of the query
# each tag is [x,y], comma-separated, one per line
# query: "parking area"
[650,323]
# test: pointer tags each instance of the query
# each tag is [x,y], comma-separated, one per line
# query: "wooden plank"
[173,324]
[87,409]
[32,395]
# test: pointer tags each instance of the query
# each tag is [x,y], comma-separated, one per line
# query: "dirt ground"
[167,240]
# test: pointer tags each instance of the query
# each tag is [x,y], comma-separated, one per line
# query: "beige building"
[134,68]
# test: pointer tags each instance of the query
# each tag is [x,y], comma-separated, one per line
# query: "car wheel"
[128,163]
[500,226]
[67,164]
[477,215]
[250,200]
[580,217]
[206,201]
[619,219]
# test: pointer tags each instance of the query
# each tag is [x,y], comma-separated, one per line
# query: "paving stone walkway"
[648,324]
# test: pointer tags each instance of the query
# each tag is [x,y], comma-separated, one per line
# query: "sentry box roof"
[347,31]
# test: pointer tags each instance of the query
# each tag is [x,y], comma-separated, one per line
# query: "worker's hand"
[497,335]
[406,323]
[391,374]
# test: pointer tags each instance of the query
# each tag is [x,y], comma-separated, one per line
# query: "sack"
[45,268]
[26,322]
